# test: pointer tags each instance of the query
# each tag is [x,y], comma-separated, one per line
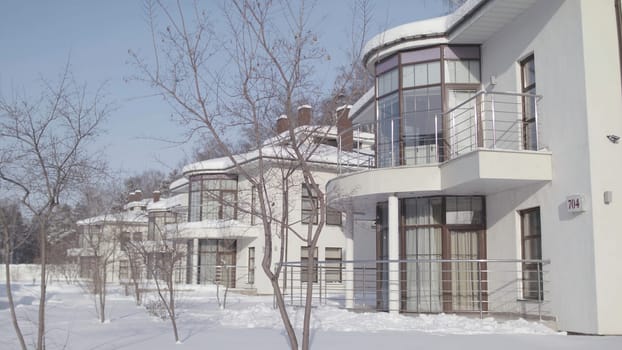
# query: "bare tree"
[101,241]
[272,53]
[45,154]
[164,254]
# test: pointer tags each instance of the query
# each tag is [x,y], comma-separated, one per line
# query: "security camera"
[613,138]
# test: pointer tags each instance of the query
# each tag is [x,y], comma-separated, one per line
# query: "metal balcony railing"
[507,287]
[487,120]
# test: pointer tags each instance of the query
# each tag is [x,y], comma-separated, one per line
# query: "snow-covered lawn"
[251,322]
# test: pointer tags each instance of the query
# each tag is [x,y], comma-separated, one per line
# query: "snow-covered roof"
[419,33]
[320,153]
[178,183]
[128,217]
[179,200]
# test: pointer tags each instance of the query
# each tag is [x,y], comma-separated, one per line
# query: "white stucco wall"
[577,73]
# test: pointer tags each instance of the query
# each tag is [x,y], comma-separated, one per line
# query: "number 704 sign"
[575,203]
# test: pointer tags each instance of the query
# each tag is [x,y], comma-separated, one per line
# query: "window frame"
[308,196]
[251,265]
[333,265]
[304,254]
[527,290]
[529,121]
[217,195]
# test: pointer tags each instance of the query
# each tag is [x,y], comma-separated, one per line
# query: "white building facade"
[496,133]
[220,222]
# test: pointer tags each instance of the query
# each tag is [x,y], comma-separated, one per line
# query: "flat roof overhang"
[213,230]
[481,172]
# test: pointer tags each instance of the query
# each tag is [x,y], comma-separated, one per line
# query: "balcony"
[482,146]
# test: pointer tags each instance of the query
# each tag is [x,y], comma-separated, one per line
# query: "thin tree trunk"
[280,302]
[9,294]
[102,294]
[306,328]
[43,255]
[172,315]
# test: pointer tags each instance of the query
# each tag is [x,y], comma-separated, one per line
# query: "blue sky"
[38,37]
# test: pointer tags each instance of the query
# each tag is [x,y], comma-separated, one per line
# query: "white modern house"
[104,240]
[215,208]
[497,181]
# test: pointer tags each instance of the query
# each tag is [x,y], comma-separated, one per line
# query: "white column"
[349,256]
[394,251]
[195,260]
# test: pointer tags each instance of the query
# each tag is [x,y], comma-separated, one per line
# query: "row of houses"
[489,140]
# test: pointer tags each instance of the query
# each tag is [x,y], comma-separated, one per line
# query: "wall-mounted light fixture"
[608,197]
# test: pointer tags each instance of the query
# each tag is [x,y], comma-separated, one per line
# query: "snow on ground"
[251,321]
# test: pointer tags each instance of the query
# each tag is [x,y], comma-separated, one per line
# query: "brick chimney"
[344,127]
[156,196]
[282,124]
[304,115]
[138,195]
[131,197]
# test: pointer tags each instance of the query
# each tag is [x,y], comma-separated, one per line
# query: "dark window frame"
[215,194]
[333,265]
[529,292]
[529,120]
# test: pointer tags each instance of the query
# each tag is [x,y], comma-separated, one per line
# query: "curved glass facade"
[413,89]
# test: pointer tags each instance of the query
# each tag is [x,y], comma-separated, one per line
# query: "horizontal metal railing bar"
[543,261]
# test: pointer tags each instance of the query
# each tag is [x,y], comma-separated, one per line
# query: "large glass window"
[212,197]
[531,239]
[420,126]
[217,261]
[530,130]
[440,239]
[421,74]
[410,124]
[387,144]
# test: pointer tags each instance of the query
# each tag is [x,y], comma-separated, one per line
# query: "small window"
[333,259]
[309,207]
[531,239]
[528,81]
[304,255]
[333,217]
[251,265]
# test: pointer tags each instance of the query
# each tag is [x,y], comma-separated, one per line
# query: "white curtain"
[423,281]
[464,275]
